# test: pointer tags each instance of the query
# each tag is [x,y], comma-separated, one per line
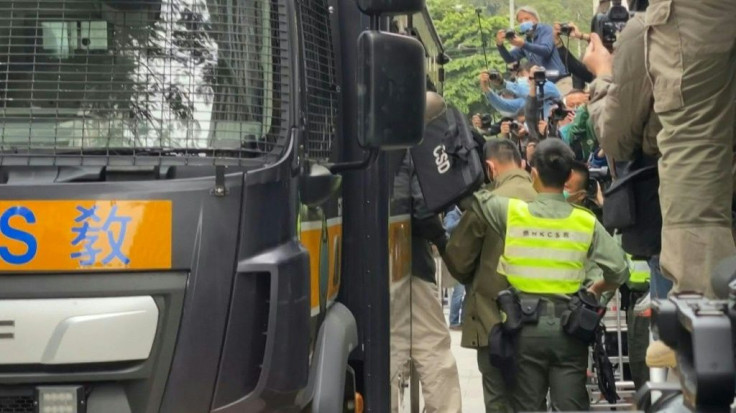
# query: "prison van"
[198,210]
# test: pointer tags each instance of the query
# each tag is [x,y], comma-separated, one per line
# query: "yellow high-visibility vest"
[639,269]
[546,255]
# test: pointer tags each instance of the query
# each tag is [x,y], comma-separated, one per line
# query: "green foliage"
[457,25]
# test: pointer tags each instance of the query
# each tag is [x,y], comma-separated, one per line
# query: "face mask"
[565,194]
[526,26]
[507,114]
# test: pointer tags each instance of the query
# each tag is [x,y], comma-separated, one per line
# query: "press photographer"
[584,190]
[622,101]
[554,115]
[536,42]
[580,74]
[483,124]
[494,86]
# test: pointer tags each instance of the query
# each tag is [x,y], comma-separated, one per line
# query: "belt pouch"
[530,310]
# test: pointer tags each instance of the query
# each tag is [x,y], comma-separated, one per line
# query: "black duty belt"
[547,308]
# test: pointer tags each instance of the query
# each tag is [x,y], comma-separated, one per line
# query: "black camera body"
[608,25]
[565,29]
[510,34]
[702,332]
[486,121]
[559,113]
[495,75]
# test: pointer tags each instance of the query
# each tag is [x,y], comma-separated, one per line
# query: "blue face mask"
[565,194]
[526,26]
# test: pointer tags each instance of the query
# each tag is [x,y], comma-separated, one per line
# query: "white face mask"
[507,114]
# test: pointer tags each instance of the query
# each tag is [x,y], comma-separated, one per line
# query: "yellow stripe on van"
[85,235]
[399,249]
[311,232]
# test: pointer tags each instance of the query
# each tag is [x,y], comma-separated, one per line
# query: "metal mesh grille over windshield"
[322,92]
[188,77]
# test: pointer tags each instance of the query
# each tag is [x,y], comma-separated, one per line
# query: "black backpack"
[632,207]
[447,162]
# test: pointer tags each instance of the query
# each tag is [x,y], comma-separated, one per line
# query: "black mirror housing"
[318,185]
[390,7]
[391,90]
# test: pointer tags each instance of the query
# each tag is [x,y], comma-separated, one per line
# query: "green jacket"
[472,259]
[581,132]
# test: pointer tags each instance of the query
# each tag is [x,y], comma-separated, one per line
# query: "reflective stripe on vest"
[640,272]
[545,255]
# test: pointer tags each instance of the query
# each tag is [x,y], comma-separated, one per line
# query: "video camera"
[541,75]
[702,332]
[608,25]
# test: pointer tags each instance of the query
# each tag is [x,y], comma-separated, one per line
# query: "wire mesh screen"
[322,92]
[204,77]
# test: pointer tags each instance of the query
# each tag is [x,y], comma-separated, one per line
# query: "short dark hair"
[502,150]
[582,169]
[553,161]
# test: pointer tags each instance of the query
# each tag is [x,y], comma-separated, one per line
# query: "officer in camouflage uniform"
[547,244]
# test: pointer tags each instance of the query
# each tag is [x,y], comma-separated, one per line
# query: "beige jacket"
[621,106]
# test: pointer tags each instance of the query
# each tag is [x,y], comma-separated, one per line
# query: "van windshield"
[95,74]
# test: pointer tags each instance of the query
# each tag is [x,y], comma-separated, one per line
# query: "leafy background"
[457,25]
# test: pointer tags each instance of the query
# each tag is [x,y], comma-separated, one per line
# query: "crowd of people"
[609,172]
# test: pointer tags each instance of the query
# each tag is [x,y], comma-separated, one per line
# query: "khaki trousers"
[691,60]
[431,352]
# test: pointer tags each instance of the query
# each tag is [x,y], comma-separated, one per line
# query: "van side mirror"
[391,90]
[389,7]
[317,184]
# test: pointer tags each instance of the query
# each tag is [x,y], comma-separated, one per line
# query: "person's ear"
[491,169]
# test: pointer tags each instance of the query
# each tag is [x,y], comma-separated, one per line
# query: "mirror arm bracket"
[357,165]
